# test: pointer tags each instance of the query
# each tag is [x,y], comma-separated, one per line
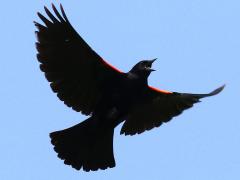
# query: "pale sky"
[197,44]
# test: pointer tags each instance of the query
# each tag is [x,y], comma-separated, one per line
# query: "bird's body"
[88,84]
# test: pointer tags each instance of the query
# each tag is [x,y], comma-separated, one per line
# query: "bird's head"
[143,68]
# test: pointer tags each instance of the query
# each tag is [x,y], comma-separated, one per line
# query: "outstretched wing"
[77,73]
[160,107]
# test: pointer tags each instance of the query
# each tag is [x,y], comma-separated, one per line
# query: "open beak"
[150,65]
[152,61]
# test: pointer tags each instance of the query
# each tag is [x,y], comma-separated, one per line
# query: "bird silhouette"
[88,84]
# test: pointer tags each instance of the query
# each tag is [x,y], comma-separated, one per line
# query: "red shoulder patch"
[159,90]
[111,66]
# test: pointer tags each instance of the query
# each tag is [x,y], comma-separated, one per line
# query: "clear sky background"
[197,44]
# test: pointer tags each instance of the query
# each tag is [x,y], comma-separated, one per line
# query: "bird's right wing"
[76,73]
[160,107]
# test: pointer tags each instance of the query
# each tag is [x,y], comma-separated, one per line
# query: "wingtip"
[61,6]
[223,86]
[53,6]
[218,90]
[35,23]
[39,14]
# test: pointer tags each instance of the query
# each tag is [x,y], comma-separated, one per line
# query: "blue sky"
[197,44]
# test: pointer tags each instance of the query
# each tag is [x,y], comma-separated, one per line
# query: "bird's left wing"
[77,73]
[160,106]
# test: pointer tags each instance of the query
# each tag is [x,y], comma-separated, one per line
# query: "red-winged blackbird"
[88,84]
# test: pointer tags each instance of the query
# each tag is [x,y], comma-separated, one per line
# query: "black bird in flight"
[88,84]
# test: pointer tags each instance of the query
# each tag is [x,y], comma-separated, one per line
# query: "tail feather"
[83,146]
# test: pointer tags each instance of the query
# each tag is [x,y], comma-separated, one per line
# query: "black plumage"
[88,84]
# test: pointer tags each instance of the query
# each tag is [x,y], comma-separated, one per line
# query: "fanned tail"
[84,146]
